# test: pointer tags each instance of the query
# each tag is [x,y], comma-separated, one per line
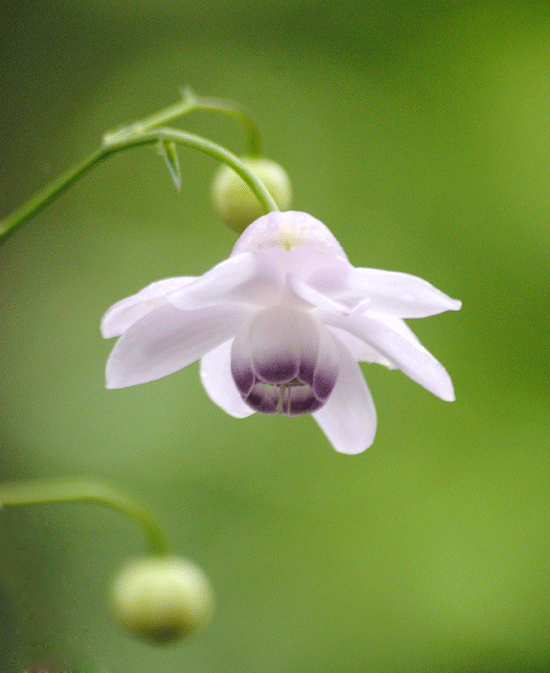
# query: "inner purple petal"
[277,370]
[284,362]
[324,383]
[306,372]
[275,344]
[264,398]
[244,378]
[290,399]
[303,401]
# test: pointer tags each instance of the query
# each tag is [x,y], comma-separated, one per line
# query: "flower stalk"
[146,132]
[193,102]
[84,489]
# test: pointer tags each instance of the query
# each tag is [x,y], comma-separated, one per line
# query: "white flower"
[280,327]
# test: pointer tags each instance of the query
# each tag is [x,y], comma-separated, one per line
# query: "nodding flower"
[280,327]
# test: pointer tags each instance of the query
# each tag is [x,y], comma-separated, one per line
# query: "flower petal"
[291,242]
[360,351]
[396,342]
[276,343]
[288,230]
[285,343]
[265,398]
[298,400]
[311,296]
[389,292]
[126,312]
[218,381]
[327,365]
[348,419]
[237,279]
[168,339]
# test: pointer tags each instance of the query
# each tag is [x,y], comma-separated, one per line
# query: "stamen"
[285,396]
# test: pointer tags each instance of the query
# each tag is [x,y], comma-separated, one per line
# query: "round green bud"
[162,598]
[235,201]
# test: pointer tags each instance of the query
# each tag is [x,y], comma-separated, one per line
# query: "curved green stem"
[45,196]
[116,142]
[238,112]
[189,103]
[83,489]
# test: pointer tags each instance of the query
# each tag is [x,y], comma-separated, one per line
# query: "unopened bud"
[234,200]
[162,599]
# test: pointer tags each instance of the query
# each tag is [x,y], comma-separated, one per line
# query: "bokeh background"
[419,133]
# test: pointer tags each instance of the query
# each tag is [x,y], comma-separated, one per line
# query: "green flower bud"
[162,598]
[235,201]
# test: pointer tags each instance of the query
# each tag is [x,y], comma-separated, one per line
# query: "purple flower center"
[284,361]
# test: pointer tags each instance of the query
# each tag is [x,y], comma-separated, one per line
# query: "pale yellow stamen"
[283,404]
[288,236]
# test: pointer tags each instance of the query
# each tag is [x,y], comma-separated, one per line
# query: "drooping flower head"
[280,327]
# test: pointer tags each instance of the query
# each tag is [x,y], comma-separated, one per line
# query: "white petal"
[311,296]
[389,292]
[399,326]
[360,351]
[327,366]
[168,339]
[399,346]
[126,312]
[348,419]
[288,230]
[242,369]
[218,381]
[237,279]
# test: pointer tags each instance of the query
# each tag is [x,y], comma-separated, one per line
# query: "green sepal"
[167,150]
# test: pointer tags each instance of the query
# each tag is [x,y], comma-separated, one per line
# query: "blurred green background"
[419,133]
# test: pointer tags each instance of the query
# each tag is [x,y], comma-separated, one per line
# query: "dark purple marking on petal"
[303,401]
[287,399]
[324,383]
[241,361]
[264,398]
[307,370]
[284,362]
[327,366]
[309,342]
[275,344]
[243,377]
[278,370]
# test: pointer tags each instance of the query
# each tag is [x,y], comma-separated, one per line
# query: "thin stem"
[83,489]
[238,112]
[189,103]
[113,143]
[218,152]
[45,196]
